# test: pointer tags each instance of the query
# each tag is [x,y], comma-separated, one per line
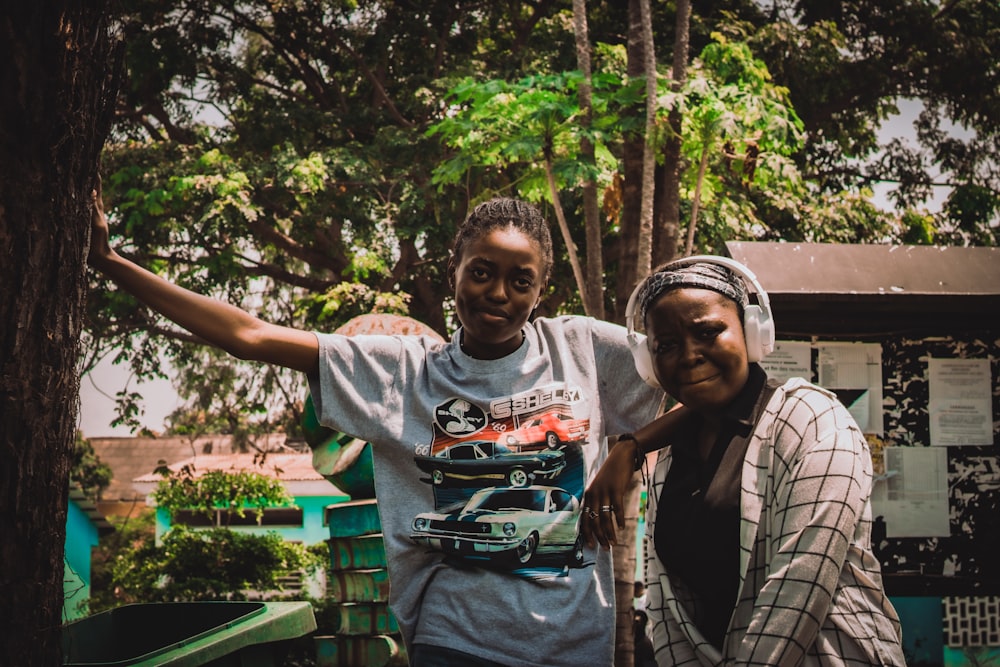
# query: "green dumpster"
[183,634]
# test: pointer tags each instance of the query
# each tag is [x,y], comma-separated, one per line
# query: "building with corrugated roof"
[304,522]
[910,311]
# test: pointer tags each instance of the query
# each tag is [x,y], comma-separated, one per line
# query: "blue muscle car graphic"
[474,463]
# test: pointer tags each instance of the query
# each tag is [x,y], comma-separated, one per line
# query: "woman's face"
[695,338]
[498,281]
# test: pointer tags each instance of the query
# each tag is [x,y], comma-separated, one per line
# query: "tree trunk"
[574,259]
[696,203]
[594,296]
[54,117]
[644,253]
[633,264]
[625,555]
[666,229]
[632,157]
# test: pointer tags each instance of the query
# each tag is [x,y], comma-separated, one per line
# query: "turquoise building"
[84,527]
[303,522]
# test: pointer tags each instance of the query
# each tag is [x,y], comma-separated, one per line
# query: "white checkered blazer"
[811,588]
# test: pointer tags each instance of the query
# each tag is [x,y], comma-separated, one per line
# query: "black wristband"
[639,454]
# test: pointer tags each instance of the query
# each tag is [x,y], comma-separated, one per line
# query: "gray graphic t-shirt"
[480,467]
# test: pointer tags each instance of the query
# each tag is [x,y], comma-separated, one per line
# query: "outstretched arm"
[234,330]
[608,487]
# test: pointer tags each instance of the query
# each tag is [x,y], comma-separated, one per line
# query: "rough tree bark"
[632,161]
[666,229]
[594,295]
[644,253]
[55,108]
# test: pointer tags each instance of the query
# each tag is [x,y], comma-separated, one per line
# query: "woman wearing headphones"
[758,547]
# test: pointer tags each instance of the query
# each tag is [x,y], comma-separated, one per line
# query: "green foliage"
[730,105]
[218,403]
[495,126]
[738,133]
[734,116]
[967,215]
[349,298]
[129,411]
[232,492]
[850,65]
[202,564]
[918,229]
[87,469]
[277,155]
[216,564]
[131,533]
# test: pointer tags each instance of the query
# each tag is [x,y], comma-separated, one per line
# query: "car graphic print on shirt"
[486,463]
[549,429]
[514,527]
[507,482]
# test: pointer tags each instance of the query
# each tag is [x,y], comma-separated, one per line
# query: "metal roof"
[868,290]
[284,467]
[131,457]
[294,470]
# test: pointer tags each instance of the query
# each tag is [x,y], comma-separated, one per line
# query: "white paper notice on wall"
[853,371]
[912,495]
[789,359]
[961,401]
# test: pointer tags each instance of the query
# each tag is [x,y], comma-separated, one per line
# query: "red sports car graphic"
[551,429]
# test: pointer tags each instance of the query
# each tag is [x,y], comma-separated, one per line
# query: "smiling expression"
[699,353]
[498,281]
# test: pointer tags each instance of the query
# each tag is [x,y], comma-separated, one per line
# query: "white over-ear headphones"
[758,325]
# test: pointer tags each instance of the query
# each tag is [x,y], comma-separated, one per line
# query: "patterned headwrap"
[704,275]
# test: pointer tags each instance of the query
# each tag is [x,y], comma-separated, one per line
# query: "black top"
[697,535]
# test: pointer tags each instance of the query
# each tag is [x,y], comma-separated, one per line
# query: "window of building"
[286,517]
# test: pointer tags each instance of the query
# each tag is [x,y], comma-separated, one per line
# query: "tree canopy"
[309,161]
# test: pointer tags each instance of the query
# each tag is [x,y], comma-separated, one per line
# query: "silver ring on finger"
[607,508]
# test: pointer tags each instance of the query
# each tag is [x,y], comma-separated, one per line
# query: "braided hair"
[504,213]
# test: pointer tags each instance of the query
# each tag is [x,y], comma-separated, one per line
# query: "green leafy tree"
[530,128]
[215,564]
[848,65]
[732,113]
[276,155]
[739,132]
[211,564]
[740,136]
[87,469]
[130,532]
[220,493]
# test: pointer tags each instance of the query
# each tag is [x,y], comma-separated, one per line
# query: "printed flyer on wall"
[853,371]
[961,401]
